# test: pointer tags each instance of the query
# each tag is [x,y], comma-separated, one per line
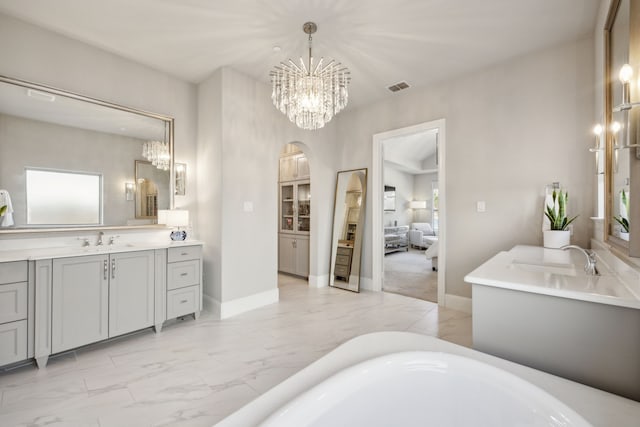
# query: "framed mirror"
[622,117]
[348,226]
[76,138]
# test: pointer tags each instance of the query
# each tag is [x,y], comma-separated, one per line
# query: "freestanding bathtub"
[424,388]
[405,379]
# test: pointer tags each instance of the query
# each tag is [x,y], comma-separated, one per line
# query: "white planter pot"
[555,239]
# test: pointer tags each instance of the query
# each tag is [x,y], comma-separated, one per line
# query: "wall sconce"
[181,178]
[597,131]
[418,204]
[626,72]
[174,218]
[129,190]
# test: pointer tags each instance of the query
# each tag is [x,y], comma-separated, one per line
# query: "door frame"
[377,201]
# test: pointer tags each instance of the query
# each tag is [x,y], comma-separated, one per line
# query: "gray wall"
[511,129]
[240,137]
[422,191]
[404,194]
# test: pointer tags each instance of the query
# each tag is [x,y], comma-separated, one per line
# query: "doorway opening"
[294,213]
[409,211]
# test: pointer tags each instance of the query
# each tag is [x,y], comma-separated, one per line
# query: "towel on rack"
[7,218]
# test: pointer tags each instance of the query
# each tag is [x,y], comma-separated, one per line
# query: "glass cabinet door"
[286,207]
[304,207]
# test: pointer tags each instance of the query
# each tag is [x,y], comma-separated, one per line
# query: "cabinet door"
[80,301]
[286,254]
[303,207]
[131,292]
[287,207]
[302,256]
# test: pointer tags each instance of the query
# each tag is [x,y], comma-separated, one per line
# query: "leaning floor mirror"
[348,226]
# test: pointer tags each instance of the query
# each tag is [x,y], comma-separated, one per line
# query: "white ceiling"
[408,153]
[382,42]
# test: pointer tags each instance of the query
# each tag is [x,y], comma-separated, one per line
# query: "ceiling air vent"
[398,86]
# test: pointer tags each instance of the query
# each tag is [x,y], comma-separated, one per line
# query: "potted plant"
[623,219]
[558,235]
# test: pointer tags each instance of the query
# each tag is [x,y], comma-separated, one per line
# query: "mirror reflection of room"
[74,140]
[348,223]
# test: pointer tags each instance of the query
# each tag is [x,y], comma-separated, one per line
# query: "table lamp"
[174,218]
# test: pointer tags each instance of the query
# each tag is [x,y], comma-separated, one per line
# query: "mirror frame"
[359,233]
[619,246]
[169,126]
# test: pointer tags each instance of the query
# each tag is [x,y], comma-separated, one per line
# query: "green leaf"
[3,209]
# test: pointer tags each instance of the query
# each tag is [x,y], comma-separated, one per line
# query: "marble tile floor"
[410,274]
[196,372]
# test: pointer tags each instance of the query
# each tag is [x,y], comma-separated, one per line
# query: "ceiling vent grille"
[398,86]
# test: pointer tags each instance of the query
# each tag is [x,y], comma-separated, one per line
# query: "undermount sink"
[545,267]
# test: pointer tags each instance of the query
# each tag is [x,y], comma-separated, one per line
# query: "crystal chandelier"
[157,152]
[310,95]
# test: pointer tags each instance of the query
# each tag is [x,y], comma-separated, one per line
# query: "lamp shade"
[418,204]
[173,217]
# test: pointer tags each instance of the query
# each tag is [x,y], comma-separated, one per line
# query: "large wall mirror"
[69,161]
[622,117]
[348,226]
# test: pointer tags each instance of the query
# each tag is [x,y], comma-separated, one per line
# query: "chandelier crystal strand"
[157,152]
[310,94]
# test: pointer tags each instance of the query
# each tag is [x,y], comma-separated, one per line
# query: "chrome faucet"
[100,234]
[590,266]
[112,240]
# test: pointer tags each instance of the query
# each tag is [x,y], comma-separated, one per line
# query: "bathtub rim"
[595,406]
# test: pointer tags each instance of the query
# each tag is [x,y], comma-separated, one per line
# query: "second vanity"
[538,307]
[56,299]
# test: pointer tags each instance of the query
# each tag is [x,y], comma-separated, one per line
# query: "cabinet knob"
[184,254]
[113,268]
[184,301]
[183,274]
[106,270]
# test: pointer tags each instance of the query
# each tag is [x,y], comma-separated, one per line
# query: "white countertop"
[553,272]
[72,251]
[597,407]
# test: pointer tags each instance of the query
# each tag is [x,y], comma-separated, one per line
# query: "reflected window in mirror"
[63,197]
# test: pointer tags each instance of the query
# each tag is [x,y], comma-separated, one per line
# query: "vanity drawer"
[182,301]
[13,302]
[184,253]
[183,274]
[12,272]
[13,342]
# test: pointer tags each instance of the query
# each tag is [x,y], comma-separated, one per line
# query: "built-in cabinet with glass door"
[295,215]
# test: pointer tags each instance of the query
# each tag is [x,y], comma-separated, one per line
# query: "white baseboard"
[456,302]
[319,281]
[241,305]
[366,283]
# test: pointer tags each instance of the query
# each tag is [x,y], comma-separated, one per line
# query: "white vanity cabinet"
[52,302]
[80,301]
[184,281]
[13,311]
[131,292]
[101,296]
